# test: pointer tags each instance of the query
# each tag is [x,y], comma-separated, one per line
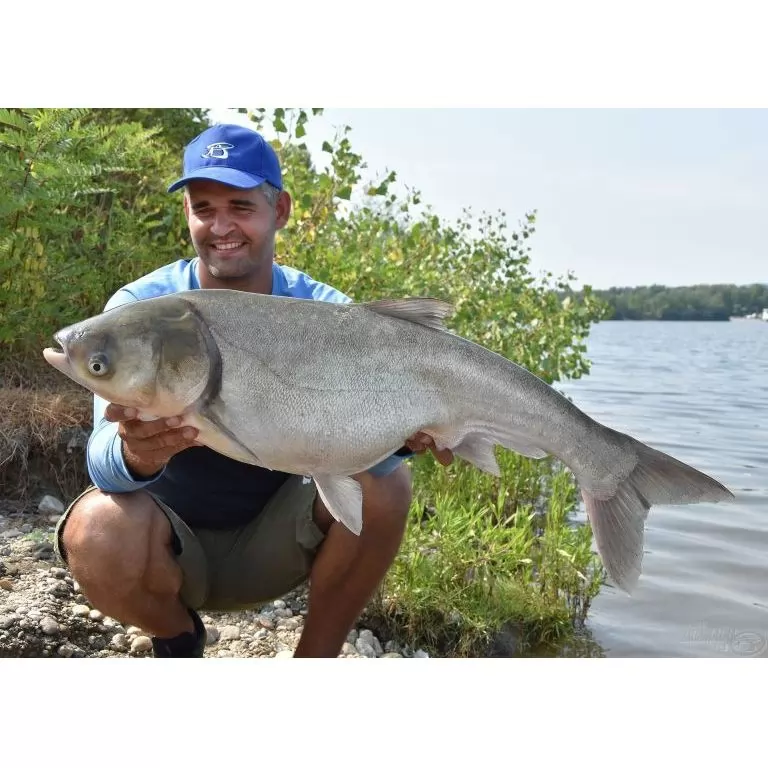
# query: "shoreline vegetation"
[720,302]
[484,559]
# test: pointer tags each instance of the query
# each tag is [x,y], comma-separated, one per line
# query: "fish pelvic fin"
[618,521]
[423,311]
[343,497]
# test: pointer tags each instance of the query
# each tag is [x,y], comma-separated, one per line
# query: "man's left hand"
[421,442]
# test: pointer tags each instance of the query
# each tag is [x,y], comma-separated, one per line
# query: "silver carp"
[329,390]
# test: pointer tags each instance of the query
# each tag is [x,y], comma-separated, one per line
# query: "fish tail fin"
[618,521]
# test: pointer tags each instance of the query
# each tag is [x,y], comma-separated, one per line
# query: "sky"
[623,197]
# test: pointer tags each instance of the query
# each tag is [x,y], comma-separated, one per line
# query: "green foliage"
[695,302]
[84,210]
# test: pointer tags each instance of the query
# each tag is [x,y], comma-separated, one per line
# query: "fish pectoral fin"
[423,311]
[478,450]
[343,497]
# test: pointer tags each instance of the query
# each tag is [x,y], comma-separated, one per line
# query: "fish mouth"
[59,358]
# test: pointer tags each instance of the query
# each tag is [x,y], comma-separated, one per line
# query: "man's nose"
[221,224]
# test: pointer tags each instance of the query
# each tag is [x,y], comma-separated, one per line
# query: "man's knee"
[111,541]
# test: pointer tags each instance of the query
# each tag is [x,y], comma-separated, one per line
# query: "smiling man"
[170,527]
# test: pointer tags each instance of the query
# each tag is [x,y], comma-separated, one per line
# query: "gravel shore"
[43,613]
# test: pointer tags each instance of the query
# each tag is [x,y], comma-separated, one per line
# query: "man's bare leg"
[118,548]
[348,568]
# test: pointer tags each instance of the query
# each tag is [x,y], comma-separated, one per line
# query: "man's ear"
[283,207]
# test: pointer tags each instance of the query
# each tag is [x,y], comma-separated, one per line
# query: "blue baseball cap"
[230,154]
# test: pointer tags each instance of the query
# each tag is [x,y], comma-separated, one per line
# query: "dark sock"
[187,645]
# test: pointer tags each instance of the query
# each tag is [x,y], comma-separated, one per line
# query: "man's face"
[233,230]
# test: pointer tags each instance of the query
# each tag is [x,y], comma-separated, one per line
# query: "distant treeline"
[696,302]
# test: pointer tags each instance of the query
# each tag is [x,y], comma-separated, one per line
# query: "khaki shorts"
[242,567]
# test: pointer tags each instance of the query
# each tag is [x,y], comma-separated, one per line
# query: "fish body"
[330,390]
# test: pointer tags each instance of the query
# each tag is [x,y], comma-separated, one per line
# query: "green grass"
[482,554]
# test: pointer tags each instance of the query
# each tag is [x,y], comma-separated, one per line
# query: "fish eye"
[98,365]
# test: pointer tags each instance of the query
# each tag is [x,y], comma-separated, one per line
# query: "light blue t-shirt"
[104,457]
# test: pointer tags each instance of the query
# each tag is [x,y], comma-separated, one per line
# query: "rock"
[97,642]
[141,644]
[348,649]
[26,528]
[211,634]
[284,613]
[119,642]
[96,615]
[365,649]
[261,634]
[66,650]
[230,632]
[50,626]
[7,621]
[6,585]
[133,631]
[265,622]
[420,654]
[368,637]
[58,573]
[391,647]
[80,610]
[279,603]
[50,505]
[392,655]
[352,636]
[284,655]
[10,534]
[289,624]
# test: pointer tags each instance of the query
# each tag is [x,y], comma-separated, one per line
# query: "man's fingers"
[168,438]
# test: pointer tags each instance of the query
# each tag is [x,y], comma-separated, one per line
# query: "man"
[170,527]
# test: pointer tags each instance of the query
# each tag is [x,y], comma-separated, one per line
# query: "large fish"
[329,390]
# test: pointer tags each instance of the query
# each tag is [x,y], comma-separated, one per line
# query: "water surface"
[700,392]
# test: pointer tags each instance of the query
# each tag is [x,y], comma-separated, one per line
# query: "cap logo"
[218,150]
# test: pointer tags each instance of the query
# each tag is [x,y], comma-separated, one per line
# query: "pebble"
[391,655]
[265,622]
[50,505]
[7,621]
[365,649]
[289,624]
[26,528]
[50,626]
[66,650]
[284,613]
[96,615]
[352,636]
[10,534]
[80,610]
[119,641]
[279,604]
[133,630]
[141,644]
[97,642]
[368,637]
[420,655]
[230,632]
[348,649]
[6,584]
[284,654]
[58,573]
[212,634]
[261,634]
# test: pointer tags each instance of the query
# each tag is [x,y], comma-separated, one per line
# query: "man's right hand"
[149,445]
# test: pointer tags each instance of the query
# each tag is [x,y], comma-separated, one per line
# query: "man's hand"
[421,442]
[149,445]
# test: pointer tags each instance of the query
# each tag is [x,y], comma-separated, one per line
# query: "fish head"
[154,355]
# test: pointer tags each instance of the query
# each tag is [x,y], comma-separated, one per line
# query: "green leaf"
[279,125]
[327,147]
[344,193]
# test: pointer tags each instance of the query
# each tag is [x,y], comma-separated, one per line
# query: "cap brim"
[228,176]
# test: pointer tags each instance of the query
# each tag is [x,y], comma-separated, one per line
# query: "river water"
[698,391]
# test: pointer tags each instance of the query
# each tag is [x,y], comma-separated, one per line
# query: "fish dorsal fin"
[423,311]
